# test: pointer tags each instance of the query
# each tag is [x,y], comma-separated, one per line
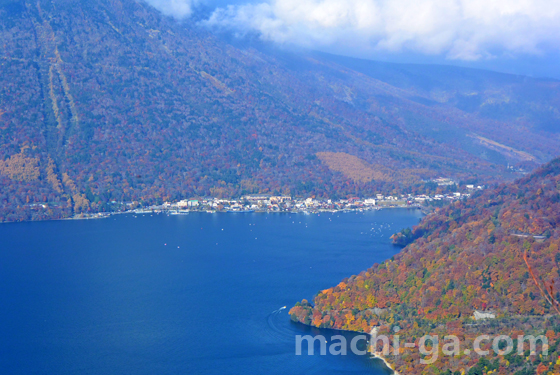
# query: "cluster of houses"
[278,203]
[268,203]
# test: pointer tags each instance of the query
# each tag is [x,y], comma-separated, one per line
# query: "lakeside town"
[279,203]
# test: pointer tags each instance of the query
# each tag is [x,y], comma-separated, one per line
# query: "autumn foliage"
[497,252]
[135,107]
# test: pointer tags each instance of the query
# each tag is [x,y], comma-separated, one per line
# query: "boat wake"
[277,311]
[279,325]
[282,333]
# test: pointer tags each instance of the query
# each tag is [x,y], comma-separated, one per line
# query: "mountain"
[486,94]
[496,253]
[107,101]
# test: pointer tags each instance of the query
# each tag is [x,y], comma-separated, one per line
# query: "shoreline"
[373,355]
[105,215]
[385,362]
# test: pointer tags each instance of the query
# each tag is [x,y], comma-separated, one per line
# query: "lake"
[192,294]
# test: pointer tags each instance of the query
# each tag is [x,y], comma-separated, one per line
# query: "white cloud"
[458,29]
[174,8]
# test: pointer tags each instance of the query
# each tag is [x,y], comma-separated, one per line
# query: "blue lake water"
[193,294]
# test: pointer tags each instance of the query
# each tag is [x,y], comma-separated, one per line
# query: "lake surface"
[193,294]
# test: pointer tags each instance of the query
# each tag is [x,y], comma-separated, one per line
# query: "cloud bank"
[457,29]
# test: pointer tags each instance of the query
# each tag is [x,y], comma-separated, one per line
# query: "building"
[369,202]
[444,181]
[183,203]
[258,198]
[280,199]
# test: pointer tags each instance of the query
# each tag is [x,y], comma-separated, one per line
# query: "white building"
[369,202]
[480,315]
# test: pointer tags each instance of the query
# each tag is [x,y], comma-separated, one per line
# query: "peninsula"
[487,265]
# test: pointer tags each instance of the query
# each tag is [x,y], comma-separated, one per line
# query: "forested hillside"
[108,101]
[497,252]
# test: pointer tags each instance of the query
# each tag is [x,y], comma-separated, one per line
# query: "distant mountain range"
[108,101]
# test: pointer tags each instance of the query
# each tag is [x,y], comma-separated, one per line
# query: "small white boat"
[179,212]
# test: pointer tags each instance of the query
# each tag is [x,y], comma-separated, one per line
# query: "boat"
[179,212]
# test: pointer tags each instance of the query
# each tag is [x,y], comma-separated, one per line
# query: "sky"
[513,36]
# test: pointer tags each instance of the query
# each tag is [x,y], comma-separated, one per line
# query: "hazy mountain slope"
[504,97]
[106,101]
[518,111]
[465,257]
